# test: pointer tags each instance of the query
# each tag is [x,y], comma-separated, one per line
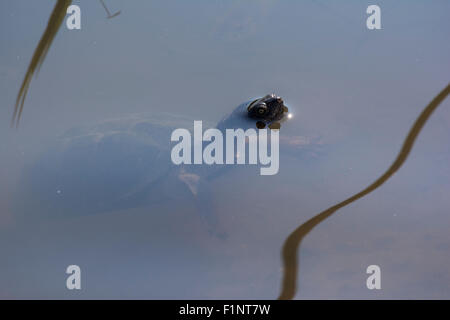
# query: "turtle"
[124,163]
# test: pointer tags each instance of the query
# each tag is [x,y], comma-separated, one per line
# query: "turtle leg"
[285,109]
[275,126]
[260,124]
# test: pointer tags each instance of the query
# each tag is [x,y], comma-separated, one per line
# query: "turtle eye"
[262,110]
[259,109]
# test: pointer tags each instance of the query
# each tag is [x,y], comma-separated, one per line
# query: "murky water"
[354,95]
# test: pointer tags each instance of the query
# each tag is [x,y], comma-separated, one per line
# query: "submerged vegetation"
[53,25]
[293,241]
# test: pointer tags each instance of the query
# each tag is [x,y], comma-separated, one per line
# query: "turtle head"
[267,109]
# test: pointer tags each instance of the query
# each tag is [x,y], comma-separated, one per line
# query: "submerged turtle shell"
[102,167]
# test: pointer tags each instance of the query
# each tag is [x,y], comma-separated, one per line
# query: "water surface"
[354,92]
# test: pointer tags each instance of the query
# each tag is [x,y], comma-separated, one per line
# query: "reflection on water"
[293,241]
[109,15]
[53,25]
